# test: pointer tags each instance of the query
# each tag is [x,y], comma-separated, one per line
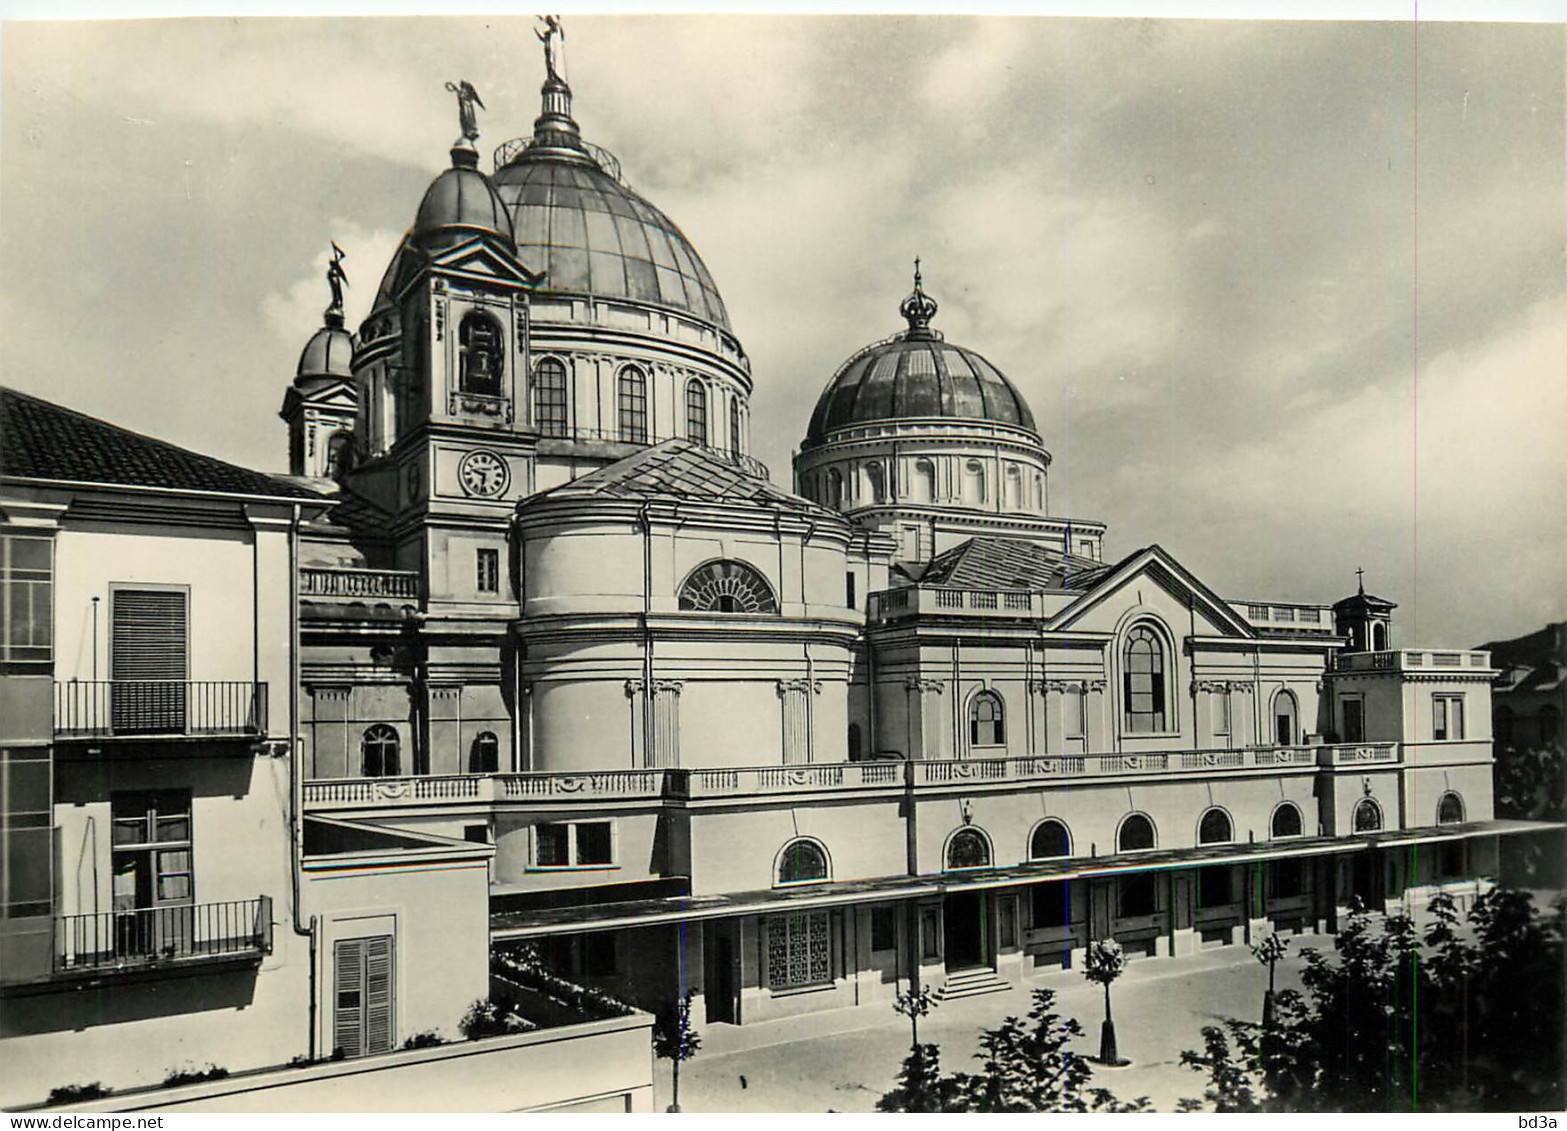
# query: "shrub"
[71,1093]
[487,1018]
[193,1075]
[427,1039]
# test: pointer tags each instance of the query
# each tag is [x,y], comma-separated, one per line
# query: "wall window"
[631,405]
[1286,715]
[1220,701]
[974,482]
[876,481]
[1144,682]
[1215,828]
[799,950]
[479,356]
[848,590]
[734,426]
[484,756]
[1368,816]
[379,751]
[802,862]
[1137,896]
[727,587]
[1052,905]
[1075,715]
[1354,714]
[834,490]
[152,865]
[968,848]
[1378,636]
[696,412]
[986,720]
[1450,809]
[549,397]
[26,604]
[148,660]
[574,844]
[923,487]
[1215,886]
[884,929]
[1137,833]
[487,570]
[1447,717]
[1286,821]
[1013,483]
[1050,841]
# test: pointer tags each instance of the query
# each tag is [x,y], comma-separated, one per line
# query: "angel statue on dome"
[552,28]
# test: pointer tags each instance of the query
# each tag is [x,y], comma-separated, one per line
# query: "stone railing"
[1413,659]
[1358,753]
[1286,618]
[359,584]
[1046,767]
[913,600]
[596,784]
[752,780]
[422,789]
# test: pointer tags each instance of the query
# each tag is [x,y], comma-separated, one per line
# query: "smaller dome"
[917,375]
[329,353]
[460,202]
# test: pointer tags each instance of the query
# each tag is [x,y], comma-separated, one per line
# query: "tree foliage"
[1469,1018]
[1025,1066]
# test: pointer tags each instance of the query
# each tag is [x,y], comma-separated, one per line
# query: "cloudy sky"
[1287,298]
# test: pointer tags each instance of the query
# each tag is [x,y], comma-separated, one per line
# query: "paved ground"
[845,1059]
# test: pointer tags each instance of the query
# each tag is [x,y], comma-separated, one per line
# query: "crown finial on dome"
[919,308]
[464,155]
[337,279]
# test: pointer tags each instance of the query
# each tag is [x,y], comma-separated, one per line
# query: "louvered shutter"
[378,994]
[148,661]
[348,1000]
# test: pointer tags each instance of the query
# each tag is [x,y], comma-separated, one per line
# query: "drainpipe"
[1191,661]
[296,774]
[647,633]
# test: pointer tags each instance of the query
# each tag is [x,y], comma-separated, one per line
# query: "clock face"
[483,474]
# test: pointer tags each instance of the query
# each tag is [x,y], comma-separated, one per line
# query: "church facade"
[536,652]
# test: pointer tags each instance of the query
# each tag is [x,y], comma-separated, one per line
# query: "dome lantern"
[919,308]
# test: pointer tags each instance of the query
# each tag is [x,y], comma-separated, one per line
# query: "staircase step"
[971,983]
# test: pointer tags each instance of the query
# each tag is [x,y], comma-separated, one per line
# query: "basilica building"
[537,652]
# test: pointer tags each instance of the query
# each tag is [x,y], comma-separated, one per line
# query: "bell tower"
[1366,620]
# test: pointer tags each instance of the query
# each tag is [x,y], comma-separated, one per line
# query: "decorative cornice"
[1062,686]
[914,683]
[660,687]
[801,685]
[1217,685]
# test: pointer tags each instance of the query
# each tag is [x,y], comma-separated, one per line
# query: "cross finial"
[916,271]
[1360,579]
[919,308]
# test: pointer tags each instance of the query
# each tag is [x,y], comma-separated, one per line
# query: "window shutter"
[349,991]
[149,635]
[378,994]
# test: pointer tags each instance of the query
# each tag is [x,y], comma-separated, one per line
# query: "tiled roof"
[40,440]
[1010,563]
[679,469]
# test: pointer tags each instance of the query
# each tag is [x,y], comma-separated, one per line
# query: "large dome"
[917,375]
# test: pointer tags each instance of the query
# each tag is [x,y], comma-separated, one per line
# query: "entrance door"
[721,983]
[965,930]
[1363,876]
[147,661]
[1099,912]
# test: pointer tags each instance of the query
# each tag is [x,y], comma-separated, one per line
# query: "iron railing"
[149,936]
[121,708]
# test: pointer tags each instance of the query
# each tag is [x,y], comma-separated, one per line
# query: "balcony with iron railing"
[1425,660]
[111,942]
[159,708]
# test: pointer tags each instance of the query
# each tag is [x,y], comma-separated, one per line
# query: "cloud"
[294,313]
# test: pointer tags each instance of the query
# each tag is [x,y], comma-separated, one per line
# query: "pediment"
[1148,574]
[478,260]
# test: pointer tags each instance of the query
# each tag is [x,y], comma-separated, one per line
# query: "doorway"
[964,928]
[721,981]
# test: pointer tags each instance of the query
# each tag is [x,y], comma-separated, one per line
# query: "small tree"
[917,1003]
[1103,964]
[1268,952]
[675,1040]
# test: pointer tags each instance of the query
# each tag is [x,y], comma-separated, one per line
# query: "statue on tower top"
[337,279]
[467,99]
[552,28]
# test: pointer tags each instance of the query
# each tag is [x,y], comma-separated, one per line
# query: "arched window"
[1378,637]
[378,751]
[734,426]
[1286,821]
[835,489]
[631,405]
[973,482]
[986,720]
[549,397]
[968,848]
[877,480]
[1368,816]
[1215,828]
[1286,714]
[1014,487]
[802,862]
[479,358]
[1137,833]
[1144,681]
[1050,840]
[855,742]
[727,587]
[1039,492]
[1450,810]
[922,489]
[484,756]
[696,412]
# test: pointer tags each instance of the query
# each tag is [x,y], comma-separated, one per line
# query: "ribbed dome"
[461,202]
[592,235]
[917,375]
[327,354]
